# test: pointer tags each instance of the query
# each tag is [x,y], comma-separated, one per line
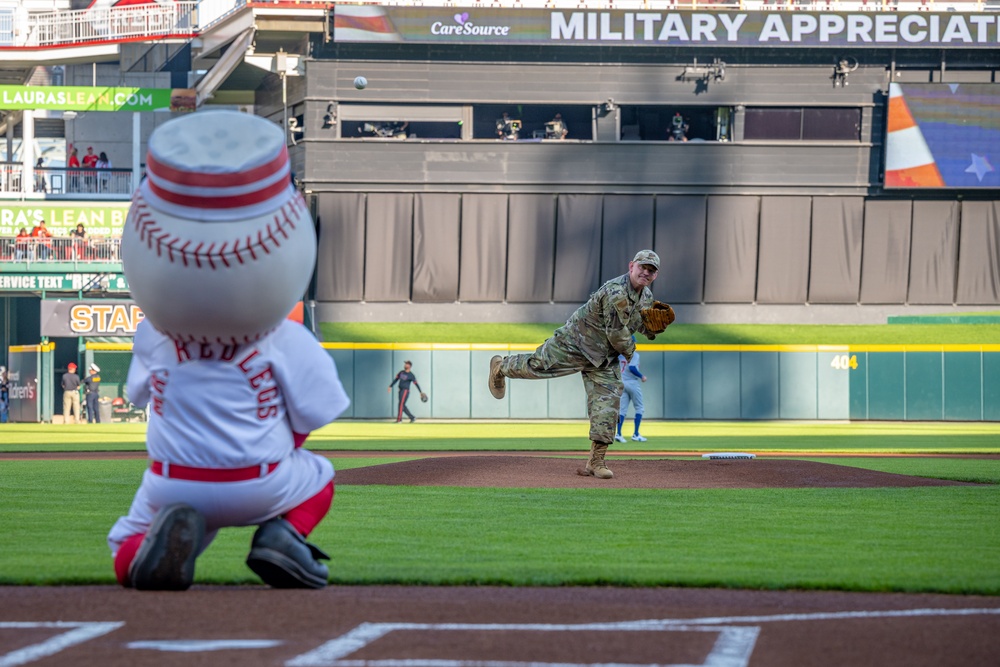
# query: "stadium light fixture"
[845,65]
[705,73]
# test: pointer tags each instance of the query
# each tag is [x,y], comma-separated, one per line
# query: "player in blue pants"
[632,379]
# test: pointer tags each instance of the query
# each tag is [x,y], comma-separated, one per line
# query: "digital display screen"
[943,135]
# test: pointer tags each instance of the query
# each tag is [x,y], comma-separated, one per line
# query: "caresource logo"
[463,26]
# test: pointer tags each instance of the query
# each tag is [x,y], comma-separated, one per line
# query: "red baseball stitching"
[166,244]
[187,338]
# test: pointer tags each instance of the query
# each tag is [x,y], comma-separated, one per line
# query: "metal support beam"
[229,61]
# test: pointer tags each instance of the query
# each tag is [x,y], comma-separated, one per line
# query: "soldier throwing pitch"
[404,378]
[589,343]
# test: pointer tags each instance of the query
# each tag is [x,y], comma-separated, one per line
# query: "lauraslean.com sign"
[369,23]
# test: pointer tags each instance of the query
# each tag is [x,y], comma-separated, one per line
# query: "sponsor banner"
[97,317]
[22,374]
[450,25]
[62,282]
[98,219]
[96,98]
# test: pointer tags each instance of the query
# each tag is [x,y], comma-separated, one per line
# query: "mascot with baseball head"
[218,247]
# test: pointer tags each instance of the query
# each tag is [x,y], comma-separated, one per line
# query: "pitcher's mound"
[560,473]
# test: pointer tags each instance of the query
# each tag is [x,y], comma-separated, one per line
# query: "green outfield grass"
[942,539]
[568,436]
[677,334]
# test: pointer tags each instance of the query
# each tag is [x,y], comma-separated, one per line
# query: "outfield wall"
[697,382]
[875,382]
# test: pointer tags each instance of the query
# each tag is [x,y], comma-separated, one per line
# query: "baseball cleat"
[619,437]
[165,559]
[498,385]
[638,438]
[283,559]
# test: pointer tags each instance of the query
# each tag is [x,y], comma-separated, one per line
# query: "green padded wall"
[721,385]
[835,378]
[924,386]
[886,397]
[682,385]
[759,385]
[963,386]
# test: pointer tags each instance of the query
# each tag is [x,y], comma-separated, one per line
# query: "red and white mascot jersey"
[218,407]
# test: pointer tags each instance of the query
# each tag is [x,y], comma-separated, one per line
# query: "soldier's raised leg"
[550,360]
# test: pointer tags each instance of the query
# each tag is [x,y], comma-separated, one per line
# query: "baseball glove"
[423,397]
[657,317]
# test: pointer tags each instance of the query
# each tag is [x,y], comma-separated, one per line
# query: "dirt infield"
[493,627]
[542,472]
[403,626]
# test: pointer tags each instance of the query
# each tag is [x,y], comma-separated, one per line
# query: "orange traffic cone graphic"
[908,159]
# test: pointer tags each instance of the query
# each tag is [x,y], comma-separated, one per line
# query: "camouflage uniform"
[589,343]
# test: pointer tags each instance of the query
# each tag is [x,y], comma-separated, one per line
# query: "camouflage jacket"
[602,328]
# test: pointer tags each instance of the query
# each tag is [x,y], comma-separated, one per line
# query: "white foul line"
[818,616]
[732,649]
[79,633]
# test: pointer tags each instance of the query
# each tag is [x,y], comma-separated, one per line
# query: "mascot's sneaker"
[637,438]
[283,559]
[165,559]
[619,437]
[498,385]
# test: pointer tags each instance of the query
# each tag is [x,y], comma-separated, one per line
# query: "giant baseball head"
[218,244]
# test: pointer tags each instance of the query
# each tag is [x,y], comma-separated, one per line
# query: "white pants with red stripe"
[298,478]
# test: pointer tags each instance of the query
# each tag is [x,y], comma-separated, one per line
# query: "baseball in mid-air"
[360,82]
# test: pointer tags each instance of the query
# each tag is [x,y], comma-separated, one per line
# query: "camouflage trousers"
[603,383]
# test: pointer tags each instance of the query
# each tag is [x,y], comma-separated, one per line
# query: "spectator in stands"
[508,129]
[23,245]
[74,176]
[678,128]
[79,236]
[40,184]
[556,128]
[43,240]
[103,163]
[90,162]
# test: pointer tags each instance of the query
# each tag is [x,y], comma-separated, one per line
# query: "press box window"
[802,124]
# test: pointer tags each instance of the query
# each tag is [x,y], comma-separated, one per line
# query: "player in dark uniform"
[404,378]
[93,394]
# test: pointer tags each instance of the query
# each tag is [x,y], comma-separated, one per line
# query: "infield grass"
[941,539]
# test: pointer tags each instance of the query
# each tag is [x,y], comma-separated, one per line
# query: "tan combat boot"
[596,466]
[498,385]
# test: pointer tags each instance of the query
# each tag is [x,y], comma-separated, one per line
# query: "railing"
[61,181]
[151,21]
[51,250]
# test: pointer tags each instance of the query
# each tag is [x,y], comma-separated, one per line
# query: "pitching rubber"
[729,455]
